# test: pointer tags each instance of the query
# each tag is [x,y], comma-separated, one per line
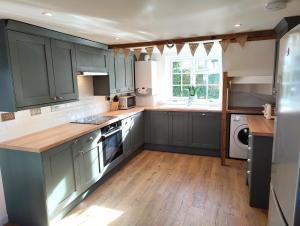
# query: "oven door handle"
[104,136]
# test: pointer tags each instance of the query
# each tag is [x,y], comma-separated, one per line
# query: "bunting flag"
[137,53]
[242,40]
[208,46]
[126,53]
[193,47]
[161,49]
[116,50]
[149,50]
[179,47]
[224,44]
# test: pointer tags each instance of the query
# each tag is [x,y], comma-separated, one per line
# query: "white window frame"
[182,100]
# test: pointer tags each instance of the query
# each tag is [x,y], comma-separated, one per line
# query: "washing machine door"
[241,135]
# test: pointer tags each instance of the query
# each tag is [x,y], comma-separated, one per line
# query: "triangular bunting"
[208,46]
[161,49]
[179,47]
[137,53]
[116,50]
[224,44]
[242,40]
[149,50]
[193,47]
[126,53]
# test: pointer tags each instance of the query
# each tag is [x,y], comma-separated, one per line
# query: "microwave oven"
[126,102]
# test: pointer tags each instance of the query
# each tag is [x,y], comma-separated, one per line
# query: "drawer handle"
[60,98]
[91,138]
[203,114]
[75,141]
[54,98]
[248,172]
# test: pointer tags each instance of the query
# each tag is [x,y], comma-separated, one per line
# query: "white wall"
[50,117]
[255,59]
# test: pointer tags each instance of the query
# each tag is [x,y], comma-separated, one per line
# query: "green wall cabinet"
[90,59]
[38,66]
[120,77]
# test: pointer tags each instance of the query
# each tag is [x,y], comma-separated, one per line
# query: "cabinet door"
[120,73]
[60,177]
[32,70]
[178,128]
[64,66]
[127,135]
[112,73]
[137,131]
[204,130]
[159,127]
[129,66]
[91,59]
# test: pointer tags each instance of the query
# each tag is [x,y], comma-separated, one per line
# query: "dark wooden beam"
[252,36]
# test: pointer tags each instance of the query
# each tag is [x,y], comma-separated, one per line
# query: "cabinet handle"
[249,136]
[60,98]
[203,114]
[248,172]
[75,141]
[249,148]
[249,160]
[81,152]
[91,138]
[54,98]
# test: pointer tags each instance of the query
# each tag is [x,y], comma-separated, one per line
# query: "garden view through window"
[203,74]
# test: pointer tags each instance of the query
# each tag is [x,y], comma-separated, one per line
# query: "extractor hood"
[88,73]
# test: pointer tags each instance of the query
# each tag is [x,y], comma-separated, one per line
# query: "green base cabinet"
[40,188]
[133,133]
[191,131]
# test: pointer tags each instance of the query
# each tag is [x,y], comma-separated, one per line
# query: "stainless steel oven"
[112,143]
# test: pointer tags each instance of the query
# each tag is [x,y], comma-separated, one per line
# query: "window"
[203,73]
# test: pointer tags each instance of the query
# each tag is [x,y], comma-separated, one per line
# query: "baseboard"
[182,150]
[3,219]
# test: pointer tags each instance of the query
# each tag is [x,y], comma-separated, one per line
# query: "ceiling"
[125,21]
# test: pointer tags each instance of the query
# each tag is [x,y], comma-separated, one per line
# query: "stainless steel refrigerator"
[284,204]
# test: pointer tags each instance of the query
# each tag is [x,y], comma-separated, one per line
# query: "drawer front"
[86,142]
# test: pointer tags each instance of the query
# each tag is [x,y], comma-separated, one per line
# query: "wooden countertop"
[260,126]
[183,108]
[245,110]
[50,138]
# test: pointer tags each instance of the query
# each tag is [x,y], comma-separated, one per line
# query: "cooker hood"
[90,73]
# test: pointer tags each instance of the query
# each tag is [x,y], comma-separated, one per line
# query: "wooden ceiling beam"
[252,36]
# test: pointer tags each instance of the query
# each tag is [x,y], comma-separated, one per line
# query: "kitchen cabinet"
[133,133]
[157,125]
[64,68]
[38,66]
[179,128]
[120,73]
[129,72]
[46,185]
[184,132]
[32,70]
[258,174]
[204,130]
[90,59]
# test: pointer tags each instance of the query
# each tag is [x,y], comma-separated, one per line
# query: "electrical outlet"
[7,116]
[35,111]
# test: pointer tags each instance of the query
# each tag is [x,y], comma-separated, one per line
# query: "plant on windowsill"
[192,94]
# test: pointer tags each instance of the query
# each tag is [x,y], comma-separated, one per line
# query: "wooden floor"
[165,189]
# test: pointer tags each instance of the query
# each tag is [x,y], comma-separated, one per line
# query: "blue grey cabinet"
[61,180]
[133,133]
[179,128]
[258,173]
[157,126]
[32,70]
[64,67]
[120,73]
[112,73]
[204,130]
[91,59]
[129,71]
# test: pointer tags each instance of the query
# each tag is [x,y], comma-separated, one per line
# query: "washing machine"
[239,132]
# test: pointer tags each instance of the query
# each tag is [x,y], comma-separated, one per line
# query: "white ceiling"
[146,20]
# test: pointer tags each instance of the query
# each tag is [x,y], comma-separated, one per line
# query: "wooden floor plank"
[167,189]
